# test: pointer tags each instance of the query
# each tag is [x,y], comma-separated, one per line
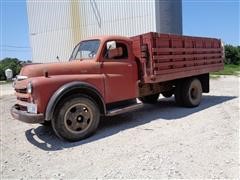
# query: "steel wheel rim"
[78,118]
[194,93]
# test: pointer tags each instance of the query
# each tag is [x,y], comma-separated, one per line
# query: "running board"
[125,109]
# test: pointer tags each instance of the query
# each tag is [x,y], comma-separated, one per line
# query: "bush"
[9,63]
[232,54]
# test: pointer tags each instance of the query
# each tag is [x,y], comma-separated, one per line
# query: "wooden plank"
[174,63]
[180,56]
[159,50]
[183,74]
[168,71]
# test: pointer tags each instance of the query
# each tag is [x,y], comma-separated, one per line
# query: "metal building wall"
[117,17]
[57,26]
[50,30]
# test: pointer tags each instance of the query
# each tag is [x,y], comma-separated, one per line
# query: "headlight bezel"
[29,88]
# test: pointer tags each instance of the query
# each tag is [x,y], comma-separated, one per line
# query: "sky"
[210,18]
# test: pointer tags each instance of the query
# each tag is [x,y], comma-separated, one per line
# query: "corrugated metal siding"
[118,17]
[50,30]
[56,27]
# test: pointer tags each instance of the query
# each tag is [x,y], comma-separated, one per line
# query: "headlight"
[29,88]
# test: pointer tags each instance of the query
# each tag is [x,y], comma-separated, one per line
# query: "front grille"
[22,98]
[21,90]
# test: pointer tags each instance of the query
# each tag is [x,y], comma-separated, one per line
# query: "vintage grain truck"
[106,74]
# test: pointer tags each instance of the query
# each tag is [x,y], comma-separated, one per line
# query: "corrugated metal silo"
[169,16]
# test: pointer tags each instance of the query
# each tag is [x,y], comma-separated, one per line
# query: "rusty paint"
[174,56]
[117,79]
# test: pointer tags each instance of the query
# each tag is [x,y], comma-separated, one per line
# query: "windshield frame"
[77,47]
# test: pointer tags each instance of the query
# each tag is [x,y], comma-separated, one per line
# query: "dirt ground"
[158,141]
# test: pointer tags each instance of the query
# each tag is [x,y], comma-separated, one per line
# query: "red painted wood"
[183,74]
[184,69]
[189,62]
[187,56]
[207,50]
[175,56]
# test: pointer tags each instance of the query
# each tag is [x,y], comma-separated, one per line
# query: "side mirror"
[112,53]
[111,45]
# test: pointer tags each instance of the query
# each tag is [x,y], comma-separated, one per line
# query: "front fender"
[66,88]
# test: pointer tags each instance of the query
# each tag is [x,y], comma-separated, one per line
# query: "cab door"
[120,74]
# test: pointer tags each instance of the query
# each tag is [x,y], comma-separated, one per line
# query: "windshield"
[85,50]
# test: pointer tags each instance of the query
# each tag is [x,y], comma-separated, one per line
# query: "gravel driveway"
[158,141]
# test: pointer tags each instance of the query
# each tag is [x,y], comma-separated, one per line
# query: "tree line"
[11,63]
[232,56]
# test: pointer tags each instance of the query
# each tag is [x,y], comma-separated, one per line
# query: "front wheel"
[76,118]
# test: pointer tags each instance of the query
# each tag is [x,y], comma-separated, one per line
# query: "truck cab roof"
[109,38]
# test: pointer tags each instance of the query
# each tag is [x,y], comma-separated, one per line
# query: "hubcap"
[77,118]
[194,93]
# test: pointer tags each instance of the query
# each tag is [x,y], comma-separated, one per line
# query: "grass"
[229,69]
[5,82]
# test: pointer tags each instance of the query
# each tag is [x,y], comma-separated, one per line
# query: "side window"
[124,49]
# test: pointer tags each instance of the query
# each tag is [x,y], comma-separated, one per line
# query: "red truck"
[106,74]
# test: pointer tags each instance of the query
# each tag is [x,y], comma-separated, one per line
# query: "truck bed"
[165,57]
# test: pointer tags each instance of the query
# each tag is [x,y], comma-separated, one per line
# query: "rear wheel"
[76,118]
[192,93]
[150,99]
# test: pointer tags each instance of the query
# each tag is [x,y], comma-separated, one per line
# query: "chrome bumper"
[26,117]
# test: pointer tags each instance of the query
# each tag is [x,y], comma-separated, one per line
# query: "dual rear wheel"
[187,93]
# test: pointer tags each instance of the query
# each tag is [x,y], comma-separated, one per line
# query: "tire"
[192,92]
[167,94]
[151,99]
[76,118]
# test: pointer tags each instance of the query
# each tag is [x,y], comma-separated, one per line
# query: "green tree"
[9,63]
[232,54]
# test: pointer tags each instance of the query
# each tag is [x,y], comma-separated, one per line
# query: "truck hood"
[66,68]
